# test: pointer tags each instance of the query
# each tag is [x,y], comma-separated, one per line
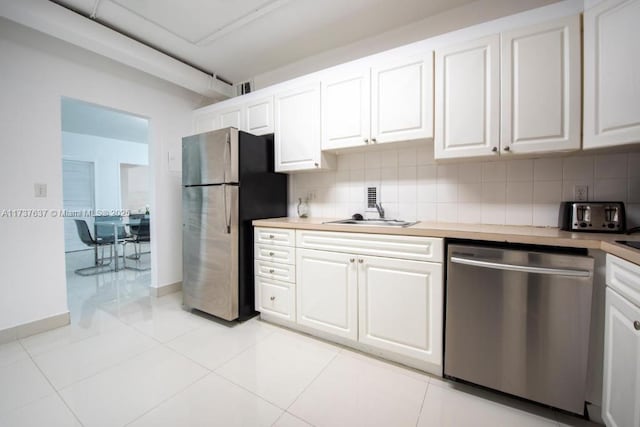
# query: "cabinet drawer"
[275,236]
[275,297]
[272,270]
[284,254]
[624,277]
[405,247]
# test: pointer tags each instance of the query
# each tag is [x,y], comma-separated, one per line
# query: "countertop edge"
[582,241]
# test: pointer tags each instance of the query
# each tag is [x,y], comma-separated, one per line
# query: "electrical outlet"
[372,196]
[311,195]
[580,193]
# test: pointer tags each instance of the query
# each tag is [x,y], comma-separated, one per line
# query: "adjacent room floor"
[131,359]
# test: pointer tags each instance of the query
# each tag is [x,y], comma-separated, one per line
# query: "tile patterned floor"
[130,359]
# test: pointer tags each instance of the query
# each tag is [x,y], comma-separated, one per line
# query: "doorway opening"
[107,207]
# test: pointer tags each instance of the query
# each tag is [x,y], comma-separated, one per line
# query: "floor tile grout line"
[108,368]
[248,390]
[55,390]
[424,399]
[183,389]
[313,381]
[292,415]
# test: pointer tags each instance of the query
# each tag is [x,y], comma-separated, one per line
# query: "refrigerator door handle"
[225,158]
[226,207]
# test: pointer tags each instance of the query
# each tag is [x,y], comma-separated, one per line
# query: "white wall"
[461,17]
[513,192]
[36,72]
[106,154]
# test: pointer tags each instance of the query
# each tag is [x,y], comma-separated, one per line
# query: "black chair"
[85,236]
[140,233]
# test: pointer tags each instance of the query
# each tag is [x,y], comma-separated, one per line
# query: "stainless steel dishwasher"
[518,321]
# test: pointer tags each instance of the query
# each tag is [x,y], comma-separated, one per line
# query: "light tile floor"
[130,359]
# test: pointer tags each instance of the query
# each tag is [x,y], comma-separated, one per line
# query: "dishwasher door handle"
[520,268]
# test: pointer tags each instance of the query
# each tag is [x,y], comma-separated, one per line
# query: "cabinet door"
[400,306]
[402,100]
[232,117]
[297,136]
[346,109]
[275,297]
[621,394]
[326,296]
[206,122]
[467,81]
[259,116]
[540,77]
[612,74]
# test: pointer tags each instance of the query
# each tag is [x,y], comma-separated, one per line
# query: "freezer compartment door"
[210,158]
[210,249]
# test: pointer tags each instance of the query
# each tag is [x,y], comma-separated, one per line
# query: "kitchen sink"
[374,222]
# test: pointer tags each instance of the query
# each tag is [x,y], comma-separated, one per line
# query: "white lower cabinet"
[400,306]
[327,297]
[621,391]
[390,305]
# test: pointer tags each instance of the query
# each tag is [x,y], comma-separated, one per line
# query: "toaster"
[601,217]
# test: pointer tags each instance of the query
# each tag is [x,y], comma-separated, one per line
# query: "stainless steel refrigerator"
[227,181]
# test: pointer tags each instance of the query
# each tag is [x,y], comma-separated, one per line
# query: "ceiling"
[238,39]
[90,119]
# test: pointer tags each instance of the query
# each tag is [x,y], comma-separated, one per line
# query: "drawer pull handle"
[272,298]
[360,260]
[352,260]
[271,236]
[270,253]
[271,270]
[636,325]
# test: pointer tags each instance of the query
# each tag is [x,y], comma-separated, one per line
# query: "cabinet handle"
[271,270]
[316,165]
[374,140]
[271,236]
[272,298]
[352,260]
[506,148]
[270,253]
[360,260]
[494,149]
[636,325]
[366,140]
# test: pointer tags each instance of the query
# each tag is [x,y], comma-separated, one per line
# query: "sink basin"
[374,222]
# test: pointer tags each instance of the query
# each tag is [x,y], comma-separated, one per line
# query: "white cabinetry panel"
[467,94]
[612,74]
[259,116]
[621,394]
[327,292]
[346,109]
[541,87]
[401,100]
[400,307]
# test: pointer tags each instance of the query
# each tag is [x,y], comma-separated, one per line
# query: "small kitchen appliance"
[601,217]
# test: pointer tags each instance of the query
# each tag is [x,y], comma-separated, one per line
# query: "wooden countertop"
[497,233]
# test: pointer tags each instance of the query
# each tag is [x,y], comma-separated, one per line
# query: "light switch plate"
[40,190]
[581,193]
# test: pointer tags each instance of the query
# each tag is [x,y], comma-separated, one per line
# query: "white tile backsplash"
[515,192]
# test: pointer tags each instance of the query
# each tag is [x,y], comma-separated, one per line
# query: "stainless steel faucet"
[380,210]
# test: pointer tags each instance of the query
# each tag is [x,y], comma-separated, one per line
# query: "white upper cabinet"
[612,74]
[259,116]
[231,117]
[467,96]
[402,100]
[205,122]
[297,130]
[346,109]
[540,99]
[387,103]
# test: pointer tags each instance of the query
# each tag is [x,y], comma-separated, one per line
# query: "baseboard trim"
[35,327]
[165,290]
